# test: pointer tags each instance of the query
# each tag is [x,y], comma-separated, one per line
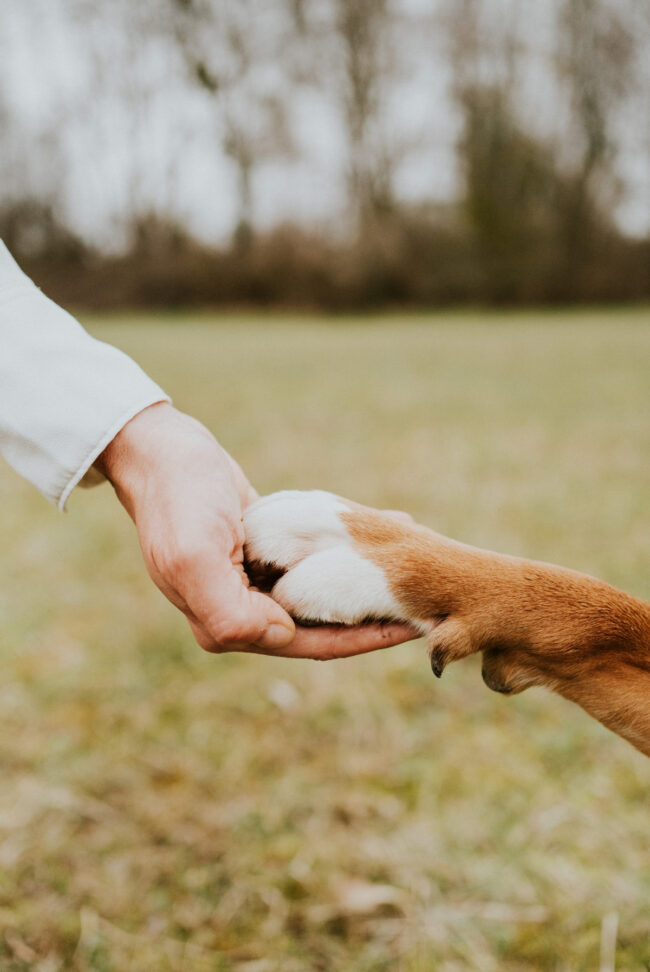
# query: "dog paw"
[297,542]
[508,671]
[284,528]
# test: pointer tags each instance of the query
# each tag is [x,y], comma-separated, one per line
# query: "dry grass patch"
[163,809]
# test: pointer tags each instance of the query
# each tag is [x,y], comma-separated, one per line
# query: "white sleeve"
[63,395]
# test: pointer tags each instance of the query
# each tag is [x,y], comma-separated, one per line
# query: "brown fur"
[536,624]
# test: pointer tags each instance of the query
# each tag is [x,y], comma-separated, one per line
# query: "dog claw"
[437,663]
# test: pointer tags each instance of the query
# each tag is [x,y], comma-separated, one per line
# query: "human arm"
[63,394]
[73,409]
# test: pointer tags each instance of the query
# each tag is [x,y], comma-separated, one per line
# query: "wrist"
[137,449]
[160,449]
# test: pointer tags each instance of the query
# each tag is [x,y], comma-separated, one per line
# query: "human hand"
[186,496]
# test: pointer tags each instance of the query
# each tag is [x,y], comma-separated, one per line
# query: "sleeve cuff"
[85,476]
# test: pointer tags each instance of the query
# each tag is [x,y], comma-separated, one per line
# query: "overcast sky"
[165,152]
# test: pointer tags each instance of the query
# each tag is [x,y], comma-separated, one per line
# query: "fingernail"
[276,636]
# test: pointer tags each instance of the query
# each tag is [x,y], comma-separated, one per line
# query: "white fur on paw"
[285,527]
[336,585]
[327,579]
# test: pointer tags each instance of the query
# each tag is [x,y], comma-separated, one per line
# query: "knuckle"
[225,631]
[231,631]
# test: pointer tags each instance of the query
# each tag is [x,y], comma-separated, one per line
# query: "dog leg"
[537,624]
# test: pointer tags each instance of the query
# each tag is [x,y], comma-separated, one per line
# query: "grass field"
[165,809]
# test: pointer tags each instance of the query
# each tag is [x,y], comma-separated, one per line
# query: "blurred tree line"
[546,120]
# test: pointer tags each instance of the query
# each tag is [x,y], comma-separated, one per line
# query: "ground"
[165,809]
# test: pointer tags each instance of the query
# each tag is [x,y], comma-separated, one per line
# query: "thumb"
[233,616]
[280,628]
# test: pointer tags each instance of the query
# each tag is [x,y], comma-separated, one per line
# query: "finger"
[203,637]
[206,641]
[327,642]
[229,616]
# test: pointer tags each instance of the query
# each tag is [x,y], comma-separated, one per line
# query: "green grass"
[165,809]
